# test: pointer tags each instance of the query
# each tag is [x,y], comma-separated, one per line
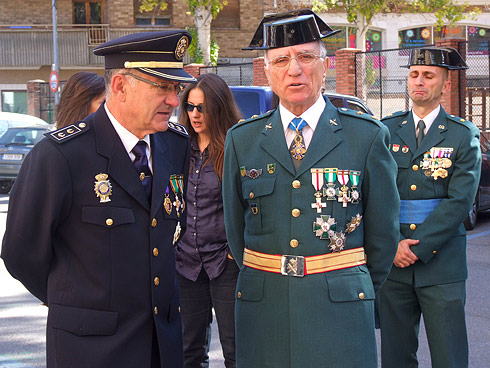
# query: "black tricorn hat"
[155,53]
[289,29]
[445,57]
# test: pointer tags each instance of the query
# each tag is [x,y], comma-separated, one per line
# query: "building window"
[373,40]
[14,101]
[156,17]
[87,12]
[347,38]
[450,32]
[413,37]
[478,40]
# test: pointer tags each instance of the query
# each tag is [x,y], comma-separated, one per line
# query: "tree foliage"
[362,12]
[214,5]
[204,11]
[152,5]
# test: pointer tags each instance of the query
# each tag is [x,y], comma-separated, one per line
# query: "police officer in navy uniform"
[439,162]
[308,191]
[96,209]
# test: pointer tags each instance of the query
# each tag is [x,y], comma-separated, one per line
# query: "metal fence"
[476,95]
[241,74]
[381,80]
[46,102]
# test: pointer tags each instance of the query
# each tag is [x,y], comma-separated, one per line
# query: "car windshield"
[22,136]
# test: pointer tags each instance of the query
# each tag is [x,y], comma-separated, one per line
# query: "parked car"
[482,200]
[15,144]
[256,100]
[12,119]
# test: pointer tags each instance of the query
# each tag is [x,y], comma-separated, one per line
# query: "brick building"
[26,37]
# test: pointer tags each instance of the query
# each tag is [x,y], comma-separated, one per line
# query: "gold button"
[434,251]
[156,281]
[361,295]
[293,243]
[154,222]
[251,195]
[413,187]
[155,310]
[179,308]
[295,212]
[82,125]
[296,184]
[155,252]
[413,226]
[239,295]
[109,222]
[415,167]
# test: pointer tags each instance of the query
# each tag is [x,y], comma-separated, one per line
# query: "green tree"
[362,12]
[204,11]
[154,6]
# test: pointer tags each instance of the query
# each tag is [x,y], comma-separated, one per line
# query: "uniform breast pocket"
[258,217]
[402,160]
[107,216]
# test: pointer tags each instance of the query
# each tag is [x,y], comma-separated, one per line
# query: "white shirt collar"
[428,120]
[128,139]
[311,115]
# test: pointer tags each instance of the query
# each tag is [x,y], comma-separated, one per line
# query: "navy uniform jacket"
[106,271]
[442,246]
[323,319]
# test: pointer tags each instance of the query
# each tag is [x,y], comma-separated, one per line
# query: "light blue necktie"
[297,148]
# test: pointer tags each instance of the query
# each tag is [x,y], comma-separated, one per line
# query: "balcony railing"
[32,45]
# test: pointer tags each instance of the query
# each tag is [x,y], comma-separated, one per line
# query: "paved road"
[23,319]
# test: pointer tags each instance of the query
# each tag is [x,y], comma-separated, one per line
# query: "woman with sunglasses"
[206,270]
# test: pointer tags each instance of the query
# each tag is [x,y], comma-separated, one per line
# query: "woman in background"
[206,270]
[81,95]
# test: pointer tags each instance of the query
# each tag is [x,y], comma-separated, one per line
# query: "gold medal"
[103,187]
[446,163]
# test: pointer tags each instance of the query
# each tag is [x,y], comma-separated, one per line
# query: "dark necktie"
[141,164]
[421,135]
[297,147]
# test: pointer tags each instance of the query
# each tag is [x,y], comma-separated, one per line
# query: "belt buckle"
[293,265]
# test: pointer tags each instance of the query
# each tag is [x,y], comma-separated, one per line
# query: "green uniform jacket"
[442,246]
[319,320]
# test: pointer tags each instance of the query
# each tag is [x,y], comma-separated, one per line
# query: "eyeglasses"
[302,59]
[162,88]
[190,107]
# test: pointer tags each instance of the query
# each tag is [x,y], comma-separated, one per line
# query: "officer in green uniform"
[439,162]
[309,191]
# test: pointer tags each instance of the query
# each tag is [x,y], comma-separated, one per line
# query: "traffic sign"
[54,81]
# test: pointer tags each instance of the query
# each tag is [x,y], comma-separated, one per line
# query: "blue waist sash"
[416,211]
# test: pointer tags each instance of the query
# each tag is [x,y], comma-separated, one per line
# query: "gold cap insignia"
[181,48]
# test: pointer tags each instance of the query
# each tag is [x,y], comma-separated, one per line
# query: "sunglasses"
[190,107]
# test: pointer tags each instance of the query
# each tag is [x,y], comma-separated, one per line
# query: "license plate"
[12,157]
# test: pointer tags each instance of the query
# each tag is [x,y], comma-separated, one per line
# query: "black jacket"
[95,264]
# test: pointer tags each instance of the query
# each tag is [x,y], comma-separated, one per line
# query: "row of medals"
[325,226]
[436,161]
[177,185]
[103,190]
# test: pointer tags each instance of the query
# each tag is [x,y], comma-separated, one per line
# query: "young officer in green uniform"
[309,191]
[439,160]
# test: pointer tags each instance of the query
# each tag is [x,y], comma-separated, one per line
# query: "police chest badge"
[103,187]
